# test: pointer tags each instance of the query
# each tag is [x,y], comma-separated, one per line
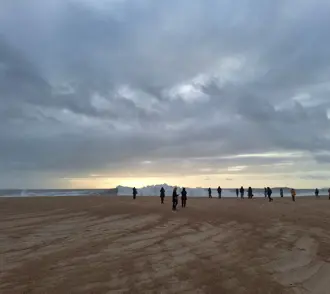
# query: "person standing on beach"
[269,194]
[242,192]
[237,192]
[210,192]
[265,192]
[134,193]
[317,192]
[162,195]
[281,192]
[250,193]
[293,195]
[174,199]
[329,193]
[219,192]
[183,197]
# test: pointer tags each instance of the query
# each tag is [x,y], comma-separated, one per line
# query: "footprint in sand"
[301,269]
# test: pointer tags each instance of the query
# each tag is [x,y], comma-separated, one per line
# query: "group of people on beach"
[175,198]
[267,192]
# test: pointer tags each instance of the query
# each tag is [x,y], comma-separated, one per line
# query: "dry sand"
[117,245]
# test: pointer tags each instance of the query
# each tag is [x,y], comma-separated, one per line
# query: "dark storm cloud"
[104,85]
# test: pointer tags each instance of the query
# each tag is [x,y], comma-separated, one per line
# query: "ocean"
[55,192]
[146,191]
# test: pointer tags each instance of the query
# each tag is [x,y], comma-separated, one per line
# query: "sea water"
[203,192]
[55,192]
[148,191]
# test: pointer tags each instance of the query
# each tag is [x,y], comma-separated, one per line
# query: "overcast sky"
[96,93]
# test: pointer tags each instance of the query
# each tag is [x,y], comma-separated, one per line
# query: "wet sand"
[117,245]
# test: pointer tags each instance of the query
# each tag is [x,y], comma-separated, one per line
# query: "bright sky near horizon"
[95,94]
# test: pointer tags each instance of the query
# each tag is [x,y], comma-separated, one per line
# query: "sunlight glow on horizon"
[204,181]
[230,176]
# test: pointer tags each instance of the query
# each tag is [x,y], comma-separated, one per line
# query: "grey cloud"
[255,56]
[322,158]
[315,177]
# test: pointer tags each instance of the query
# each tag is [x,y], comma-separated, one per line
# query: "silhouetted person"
[237,192]
[281,192]
[174,199]
[162,195]
[219,192]
[134,193]
[317,192]
[269,194]
[250,193]
[293,194]
[210,192]
[242,192]
[183,197]
[265,192]
[329,193]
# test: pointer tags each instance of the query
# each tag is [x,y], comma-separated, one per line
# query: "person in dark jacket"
[219,192]
[134,193]
[317,192]
[162,195]
[183,197]
[174,199]
[281,192]
[237,192]
[269,194]
[210,192]
[242,192]
[250,193]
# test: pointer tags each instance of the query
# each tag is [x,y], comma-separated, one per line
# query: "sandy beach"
[117,245]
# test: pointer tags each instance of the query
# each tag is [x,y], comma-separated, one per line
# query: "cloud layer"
[164,88]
